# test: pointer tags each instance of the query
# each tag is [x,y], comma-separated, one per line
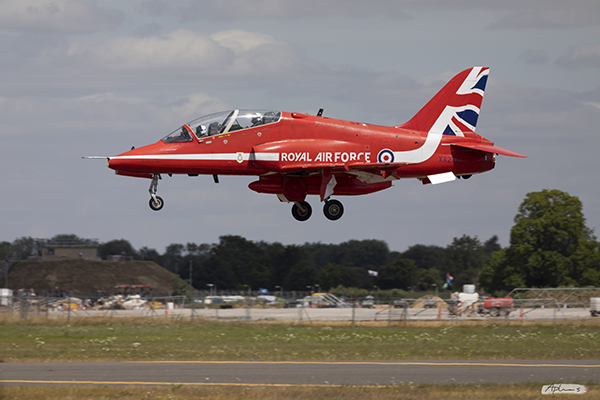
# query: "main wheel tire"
[156,203]
[333,210]
[301,211]
[494,312]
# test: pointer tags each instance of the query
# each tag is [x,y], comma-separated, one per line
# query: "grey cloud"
[60,16]
[534,57]
[221,10]
[550,15]
[581,56]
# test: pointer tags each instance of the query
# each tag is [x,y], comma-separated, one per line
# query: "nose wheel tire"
[156,203]
[301,211]
[333,210]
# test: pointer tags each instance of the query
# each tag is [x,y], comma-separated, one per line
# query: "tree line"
[550,246]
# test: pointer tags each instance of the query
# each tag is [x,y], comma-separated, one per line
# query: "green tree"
[147,254]
[550,246]
[172,259]
[400,274]
[237,261]
[300,276]
[330,276]
[426,257]
[465,257]
[24,247]
[282,259]
[116,247]
[5,250]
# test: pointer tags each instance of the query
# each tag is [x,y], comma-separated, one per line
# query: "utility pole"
[192,298]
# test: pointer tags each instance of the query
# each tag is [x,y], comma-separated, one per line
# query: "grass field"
[418,392]
[140,339]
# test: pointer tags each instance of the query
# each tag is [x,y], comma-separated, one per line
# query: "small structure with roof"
[59,248]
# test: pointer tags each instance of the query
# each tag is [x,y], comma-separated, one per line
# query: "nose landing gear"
[156,202]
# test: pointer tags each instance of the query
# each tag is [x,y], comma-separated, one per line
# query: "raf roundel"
[385,156]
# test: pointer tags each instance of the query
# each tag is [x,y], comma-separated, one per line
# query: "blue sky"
[95,78]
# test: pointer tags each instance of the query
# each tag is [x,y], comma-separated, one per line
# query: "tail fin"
[455,108]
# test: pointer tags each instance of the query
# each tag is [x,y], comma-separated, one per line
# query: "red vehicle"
[295,155]
[497,306]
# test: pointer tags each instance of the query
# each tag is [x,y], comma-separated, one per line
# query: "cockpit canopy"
[221,123]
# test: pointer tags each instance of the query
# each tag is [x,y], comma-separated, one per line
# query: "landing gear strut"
[301,210]
[156,202]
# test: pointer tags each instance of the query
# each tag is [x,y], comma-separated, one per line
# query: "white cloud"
[226,52]
[56,15]
[592,104]
[181,49]
[257,53]
[109,114]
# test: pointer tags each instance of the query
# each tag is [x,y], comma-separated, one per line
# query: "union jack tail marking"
[455,108]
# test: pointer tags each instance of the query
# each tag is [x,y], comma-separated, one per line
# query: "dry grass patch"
[418,392]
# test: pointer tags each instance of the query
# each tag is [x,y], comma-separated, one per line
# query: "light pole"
[191,276]
[436,290]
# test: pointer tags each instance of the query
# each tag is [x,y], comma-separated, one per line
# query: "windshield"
[222,123]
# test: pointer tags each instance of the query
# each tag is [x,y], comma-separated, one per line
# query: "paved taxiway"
[299,373]
[306,315]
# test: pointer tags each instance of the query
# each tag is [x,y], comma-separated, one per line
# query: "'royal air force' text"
[325,157]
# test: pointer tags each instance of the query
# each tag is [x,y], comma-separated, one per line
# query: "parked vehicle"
[496,306]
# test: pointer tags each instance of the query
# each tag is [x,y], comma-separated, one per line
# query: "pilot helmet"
[269,117]
[256,119]
[201,130]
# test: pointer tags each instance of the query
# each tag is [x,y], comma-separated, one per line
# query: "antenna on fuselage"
[320,113]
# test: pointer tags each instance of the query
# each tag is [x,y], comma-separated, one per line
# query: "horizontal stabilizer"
[489,149]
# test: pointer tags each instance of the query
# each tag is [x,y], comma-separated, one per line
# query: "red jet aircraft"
[295,155]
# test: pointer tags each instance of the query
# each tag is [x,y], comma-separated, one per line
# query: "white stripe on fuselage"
[434,137]
[203,157]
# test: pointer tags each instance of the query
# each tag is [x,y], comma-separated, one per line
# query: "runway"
[287,373]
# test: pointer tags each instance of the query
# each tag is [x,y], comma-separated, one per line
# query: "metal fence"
[302,310]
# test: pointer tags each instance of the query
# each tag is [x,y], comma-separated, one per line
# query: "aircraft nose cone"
[114,163]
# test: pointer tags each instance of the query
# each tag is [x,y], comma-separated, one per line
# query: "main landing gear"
[333,210]
[301,210]
[156,202]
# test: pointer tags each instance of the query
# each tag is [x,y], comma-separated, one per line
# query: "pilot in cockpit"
[257,119]
[201,131]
